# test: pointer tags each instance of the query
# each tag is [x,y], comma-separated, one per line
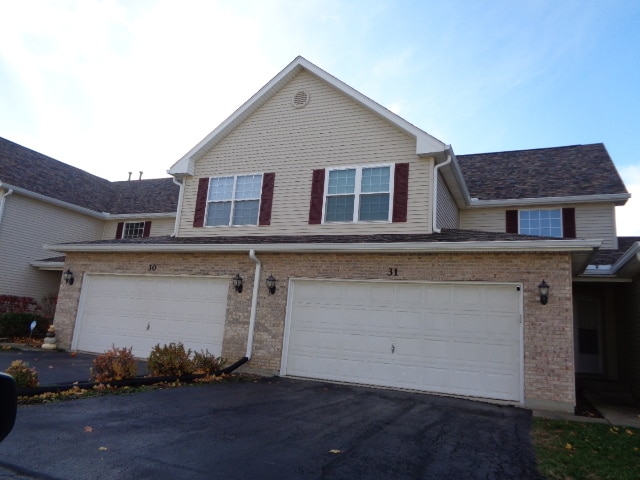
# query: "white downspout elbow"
[2,201]
[176,227]
[436,169]
[254,302]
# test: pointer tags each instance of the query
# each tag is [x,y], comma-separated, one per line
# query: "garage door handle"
[393,348]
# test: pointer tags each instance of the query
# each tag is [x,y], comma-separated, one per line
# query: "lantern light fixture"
[271,284]
[68,277]
[543,288]
[237,283]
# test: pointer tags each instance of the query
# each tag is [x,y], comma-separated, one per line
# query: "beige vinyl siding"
[160,227]
[27,225]
[447,213]
[594,221]
[331,130]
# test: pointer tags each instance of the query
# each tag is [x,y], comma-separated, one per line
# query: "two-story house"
[320,235]
[45,201]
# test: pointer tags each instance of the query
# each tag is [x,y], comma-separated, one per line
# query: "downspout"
[176,227]
[436,169]
[252,318]
[2,201]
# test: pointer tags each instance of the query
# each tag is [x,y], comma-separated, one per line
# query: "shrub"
[15,304]
[25,376]
[18,325]
[205,362]
[114,364]
[170,359]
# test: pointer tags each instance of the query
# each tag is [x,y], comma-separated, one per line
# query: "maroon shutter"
[266,199]
[317,197]
[512,221]
[569,223]
[147,230]
[201,202]
[119,229]
[400,192]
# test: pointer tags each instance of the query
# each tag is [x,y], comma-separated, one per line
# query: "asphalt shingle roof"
[545,172]
[33,171]
[609,257]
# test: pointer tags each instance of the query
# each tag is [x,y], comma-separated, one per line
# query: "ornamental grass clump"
[170,360]
[25,376]
[115,364]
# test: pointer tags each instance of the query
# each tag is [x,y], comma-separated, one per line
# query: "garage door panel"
[437,337]
[143,311]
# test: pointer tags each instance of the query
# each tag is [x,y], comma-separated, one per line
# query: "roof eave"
[615,198]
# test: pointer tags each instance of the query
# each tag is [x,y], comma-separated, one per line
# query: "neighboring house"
[320,235]
[44,201]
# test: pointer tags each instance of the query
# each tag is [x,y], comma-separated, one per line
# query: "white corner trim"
[404,247]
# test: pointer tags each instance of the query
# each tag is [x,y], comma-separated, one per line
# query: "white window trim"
[357,192]
[233,200]
[124,230]
[539,210]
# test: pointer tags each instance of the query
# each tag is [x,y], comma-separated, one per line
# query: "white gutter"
[435,190]
[2,200]
[426,247]
[126,216]
[55,201]
[176,228]
[254,303]
[630,255]
[514,202]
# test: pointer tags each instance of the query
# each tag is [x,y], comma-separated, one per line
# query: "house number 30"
[392,272]
[152,267]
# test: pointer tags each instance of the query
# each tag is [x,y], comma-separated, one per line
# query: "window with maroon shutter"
[266,199]
[569,222]
[201,202]
[146,232]
[400,192]
[317,197]
[544,222]
[512,221]
[119,229]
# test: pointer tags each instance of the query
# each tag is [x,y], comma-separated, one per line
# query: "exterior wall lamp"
[271,284]
[68,277]
[237,283]
[543,288]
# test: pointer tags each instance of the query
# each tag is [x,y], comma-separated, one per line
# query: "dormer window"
[130,230]
[547,222]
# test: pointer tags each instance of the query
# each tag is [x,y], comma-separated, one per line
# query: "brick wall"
[548,331]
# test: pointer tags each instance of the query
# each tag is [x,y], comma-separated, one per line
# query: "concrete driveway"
[269,429]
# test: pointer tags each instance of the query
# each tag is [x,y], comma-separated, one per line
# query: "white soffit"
[425,144]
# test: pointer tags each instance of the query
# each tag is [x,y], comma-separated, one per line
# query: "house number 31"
[392,272]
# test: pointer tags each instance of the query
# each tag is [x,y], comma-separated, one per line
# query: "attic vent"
[300,99]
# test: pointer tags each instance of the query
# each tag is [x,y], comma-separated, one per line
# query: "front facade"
[389,267]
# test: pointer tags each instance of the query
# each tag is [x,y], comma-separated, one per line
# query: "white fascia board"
[127,216]
[404,247]
[455,180]
[425,143]
[55,201]
[48,265]
[517,202]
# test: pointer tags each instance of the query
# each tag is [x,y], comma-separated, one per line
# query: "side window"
[128,230]
[543,223]
[359,194]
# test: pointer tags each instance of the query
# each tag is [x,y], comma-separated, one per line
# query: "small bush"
[170,359]
[114,364]
[25,376]
[205,362]
[18,325]
[15,304]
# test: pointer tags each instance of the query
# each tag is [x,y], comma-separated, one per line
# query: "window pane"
[133,230]
[374,207]
[246,212]
[341,181]
[375,179]
[221,188]
[544,223]
[218,213]
[248,186]
[339,209]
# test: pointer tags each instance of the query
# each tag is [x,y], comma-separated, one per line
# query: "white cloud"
[628,216]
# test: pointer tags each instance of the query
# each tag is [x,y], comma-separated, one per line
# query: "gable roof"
[543,174]
[425,143]
[33,172]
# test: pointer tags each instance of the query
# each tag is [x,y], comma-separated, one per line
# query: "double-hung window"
[133,230]
[543,223]
[359,194]
[234,200]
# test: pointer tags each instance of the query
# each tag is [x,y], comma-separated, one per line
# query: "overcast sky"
[120,86]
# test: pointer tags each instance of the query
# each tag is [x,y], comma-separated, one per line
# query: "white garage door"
[460,339]
[142,311]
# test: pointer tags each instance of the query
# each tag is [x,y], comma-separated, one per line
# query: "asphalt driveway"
[269,429]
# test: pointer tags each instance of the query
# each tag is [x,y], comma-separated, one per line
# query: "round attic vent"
[300,99]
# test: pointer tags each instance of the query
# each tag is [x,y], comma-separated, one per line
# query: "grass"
[591,451]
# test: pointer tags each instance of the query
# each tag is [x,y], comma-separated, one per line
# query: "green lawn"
[593,451]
